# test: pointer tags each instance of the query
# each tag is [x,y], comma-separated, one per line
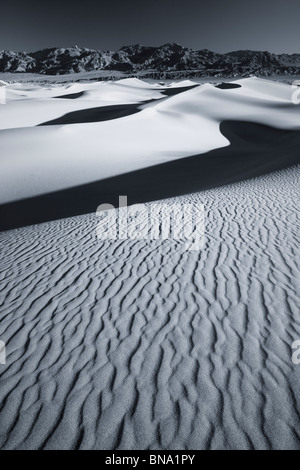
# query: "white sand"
[142,344]
[175,127]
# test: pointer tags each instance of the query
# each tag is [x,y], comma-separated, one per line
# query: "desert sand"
[141,344]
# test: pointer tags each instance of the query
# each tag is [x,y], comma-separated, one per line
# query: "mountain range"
[156,61]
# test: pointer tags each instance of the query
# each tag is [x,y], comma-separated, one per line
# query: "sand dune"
[254,150]
[178,126]
[142,344]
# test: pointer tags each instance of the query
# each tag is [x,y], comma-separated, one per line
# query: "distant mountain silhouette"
[170,58]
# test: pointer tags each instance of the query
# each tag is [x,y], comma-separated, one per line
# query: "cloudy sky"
[219,25]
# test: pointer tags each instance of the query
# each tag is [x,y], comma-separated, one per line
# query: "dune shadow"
[172,91]
[99,114]
[106,113]
[228,86]
[254,150]
[71,96]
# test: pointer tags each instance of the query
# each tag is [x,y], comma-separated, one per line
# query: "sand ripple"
[144,345]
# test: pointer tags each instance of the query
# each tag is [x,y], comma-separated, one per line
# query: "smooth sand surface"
[36,159]
[254,149]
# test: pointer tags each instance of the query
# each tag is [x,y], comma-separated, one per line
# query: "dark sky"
[219,25]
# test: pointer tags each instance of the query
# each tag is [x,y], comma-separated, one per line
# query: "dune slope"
[37,159]
[143,344]
[254,149]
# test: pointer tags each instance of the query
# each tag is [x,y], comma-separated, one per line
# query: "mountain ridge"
[136,58]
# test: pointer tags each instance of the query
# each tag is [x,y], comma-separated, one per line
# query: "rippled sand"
[143,345]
